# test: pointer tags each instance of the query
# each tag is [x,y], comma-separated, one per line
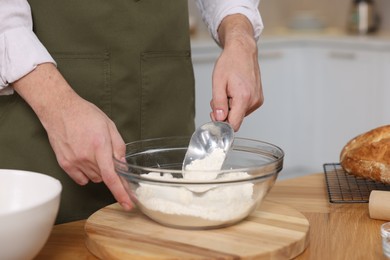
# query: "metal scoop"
[206,139]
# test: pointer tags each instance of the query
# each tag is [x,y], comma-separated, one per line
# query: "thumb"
[118,145]
[220,105]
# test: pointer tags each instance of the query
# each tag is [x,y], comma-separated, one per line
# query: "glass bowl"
[153,177]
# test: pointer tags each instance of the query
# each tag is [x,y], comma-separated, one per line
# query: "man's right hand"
[83,138]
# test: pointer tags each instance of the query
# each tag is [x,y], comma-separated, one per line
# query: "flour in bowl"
[215,203]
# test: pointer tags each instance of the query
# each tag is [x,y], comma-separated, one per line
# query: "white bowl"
[29,204]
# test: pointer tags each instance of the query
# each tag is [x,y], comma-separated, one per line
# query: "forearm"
[237,90]
[44,89]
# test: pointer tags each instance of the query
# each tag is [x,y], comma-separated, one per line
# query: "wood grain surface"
[337,231]
[274,231]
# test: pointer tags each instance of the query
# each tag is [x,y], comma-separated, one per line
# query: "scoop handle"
[379,205]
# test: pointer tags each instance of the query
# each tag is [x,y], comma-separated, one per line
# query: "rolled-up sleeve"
[213,12]
[20,49]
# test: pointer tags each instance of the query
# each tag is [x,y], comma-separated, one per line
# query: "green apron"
[129,57]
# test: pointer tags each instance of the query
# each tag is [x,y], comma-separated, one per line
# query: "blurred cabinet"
[318,95]
[345,90]
[275,121]
[384,99]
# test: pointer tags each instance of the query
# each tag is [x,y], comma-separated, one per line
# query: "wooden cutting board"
[274,231]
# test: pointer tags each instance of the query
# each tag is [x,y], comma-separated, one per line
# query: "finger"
[105,163]
[257,101]
[73,172]
[213,113]
[219,102]
[87,166]
[79,177]
[236,114]
[118,145]
[212,116]
[92,175]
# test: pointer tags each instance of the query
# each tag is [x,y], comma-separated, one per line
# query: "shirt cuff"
[20,53]
[213,14]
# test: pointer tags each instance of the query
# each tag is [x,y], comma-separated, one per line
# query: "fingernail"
[83,182]
[219,115]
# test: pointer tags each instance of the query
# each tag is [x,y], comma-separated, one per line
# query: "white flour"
[223,203]
[210,165]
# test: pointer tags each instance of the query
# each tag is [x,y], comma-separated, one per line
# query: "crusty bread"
[368,155]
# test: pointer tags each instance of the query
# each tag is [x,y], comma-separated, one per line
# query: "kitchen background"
[279,14]
[322,85]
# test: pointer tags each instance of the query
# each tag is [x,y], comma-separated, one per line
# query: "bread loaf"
[368,155]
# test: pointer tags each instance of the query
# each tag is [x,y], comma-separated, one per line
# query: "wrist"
[236,30]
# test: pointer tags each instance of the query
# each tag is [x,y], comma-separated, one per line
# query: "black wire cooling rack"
[346,188]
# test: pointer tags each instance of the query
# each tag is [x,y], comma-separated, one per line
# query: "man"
[117,71]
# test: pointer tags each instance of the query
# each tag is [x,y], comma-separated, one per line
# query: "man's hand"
[83,138]
[237,89]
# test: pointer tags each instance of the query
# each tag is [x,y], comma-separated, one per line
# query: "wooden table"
[337,231]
